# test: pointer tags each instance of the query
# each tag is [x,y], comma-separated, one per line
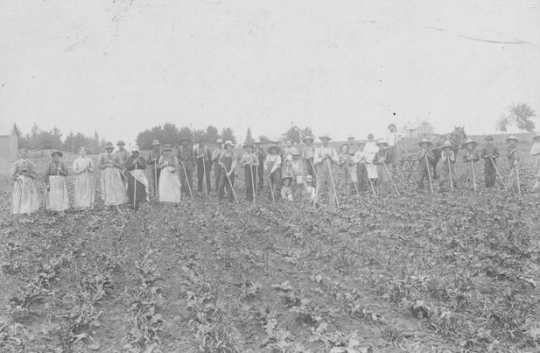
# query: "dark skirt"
[136,191]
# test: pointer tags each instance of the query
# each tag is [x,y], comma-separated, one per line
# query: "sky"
[341,67]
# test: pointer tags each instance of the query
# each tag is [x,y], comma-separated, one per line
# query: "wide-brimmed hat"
[470,142]
[273,148]
[120,143]
[155,143]
[295,151]
[325,137]
[308,138]
[370,136]
[425,142]
[167,147]
[57,153]
[392,125]
[219,141]
[229,143]
[109,146]
[447,144]
[488,138]
[512,138]
[285,177]
[135,149]
[382,142]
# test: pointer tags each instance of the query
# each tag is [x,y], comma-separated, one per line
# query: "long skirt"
[371,170]
[137,189]
[169,186]
[58,199]
[25,196]
[112,187]
[84,193]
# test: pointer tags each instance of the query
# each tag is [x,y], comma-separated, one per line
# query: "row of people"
[292,172]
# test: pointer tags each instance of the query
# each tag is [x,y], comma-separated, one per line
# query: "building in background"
[9,145]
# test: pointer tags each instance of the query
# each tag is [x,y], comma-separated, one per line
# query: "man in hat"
[203,156]
[325,160]
[425,162]
[370,153]
[298,169]
[381,158]
[392,138]
[261,156]
[227,163]
[273,164]
[513,162]
[489,154]
[448,160]
[250,162]
[308,152]
[348,165]
[112,187]
[216,153]
[186,160]
[470,158]
[58,196]
[155,171]
[361,171]
[121,153]
[535,153]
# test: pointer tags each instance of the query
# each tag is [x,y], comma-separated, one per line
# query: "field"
[415,273]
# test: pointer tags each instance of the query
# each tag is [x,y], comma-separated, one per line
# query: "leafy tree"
[519,115]
[249,138]
[228,134]
[264,139]
[199,135]
[212,134]
[293,134]
[185,133]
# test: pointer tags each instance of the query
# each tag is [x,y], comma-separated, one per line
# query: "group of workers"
[291,172]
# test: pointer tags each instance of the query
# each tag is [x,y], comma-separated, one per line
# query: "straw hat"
[229,143]
[447,144]
[425,141]
[382,143]
[470,142]
[294,151]
[57,153]
[308,138]
[274,148]
[512,138]
[109,146]
[325,137]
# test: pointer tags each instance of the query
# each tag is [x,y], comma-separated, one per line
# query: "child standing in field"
[286,188]
[513,162]
[425,159]
[58,196]
[25,192]
[470,158]
[448,175]
[490,153]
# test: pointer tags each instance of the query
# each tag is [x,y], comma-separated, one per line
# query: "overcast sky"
[341,67]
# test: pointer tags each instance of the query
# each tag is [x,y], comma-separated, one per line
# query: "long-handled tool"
[385,168]
[336,199]
[156,192]
[450,176]
[271,187]
[429,174]
[230,184]
[499,178]
[517,180]
[473,175]
[187,180]
[251,169]
[134,192]
[205,179]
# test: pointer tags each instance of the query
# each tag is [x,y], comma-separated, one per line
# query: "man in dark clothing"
[204,166]
[490,155]
[261,156]
[153,163]
[186,161]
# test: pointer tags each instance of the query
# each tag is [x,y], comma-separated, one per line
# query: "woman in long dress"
[112,188]
[25,193]
[84,193]
[58,196]
[136,179]
[169,182]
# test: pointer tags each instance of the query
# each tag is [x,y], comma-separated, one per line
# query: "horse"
[456,138]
